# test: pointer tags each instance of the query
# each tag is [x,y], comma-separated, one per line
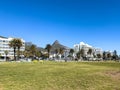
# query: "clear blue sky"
[96,22]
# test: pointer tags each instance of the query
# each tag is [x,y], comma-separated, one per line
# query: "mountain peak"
[56,42]
[57,45]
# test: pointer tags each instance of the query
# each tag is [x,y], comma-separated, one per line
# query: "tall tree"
[32,51]
[6,53]
[26,54]
[109,56]
[82,53]
[104,55]
[61,51]
[115,56]
[71,51]
[90,51]
[78,55]
[99,55]
[94,55]
[38,53]
[13,44]
[48,48]
[19,45]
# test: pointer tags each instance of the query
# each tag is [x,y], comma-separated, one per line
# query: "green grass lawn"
[60,76]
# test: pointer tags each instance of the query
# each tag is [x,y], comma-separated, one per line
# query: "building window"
[0,40]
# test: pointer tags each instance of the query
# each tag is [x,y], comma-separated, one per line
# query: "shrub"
[35,61]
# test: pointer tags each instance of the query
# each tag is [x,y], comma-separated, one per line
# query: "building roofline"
[3,37]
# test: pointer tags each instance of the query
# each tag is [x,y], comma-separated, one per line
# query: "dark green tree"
[104,55]
[90,51]
[109,56]
[13,44]
[115,56]
[82,53]
[71,51]
[38,54]
[78,55]
[99,56]
[19,45]
[48,48]
[61,52]
[32,51]
[16,44]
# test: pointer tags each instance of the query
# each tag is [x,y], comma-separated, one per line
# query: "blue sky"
[96,22]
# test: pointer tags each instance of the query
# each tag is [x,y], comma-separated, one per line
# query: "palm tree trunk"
[48,54]
[18,53]
[14,54]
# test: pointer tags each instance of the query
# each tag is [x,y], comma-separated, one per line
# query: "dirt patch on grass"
[113,74]
[1,87]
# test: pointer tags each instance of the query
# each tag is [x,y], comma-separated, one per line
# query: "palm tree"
[32,51]
[77,56]
[89,51]
[6,53]
[61,51]
[38,53]
[115,56]
[13,44]
[25,53]
[99,55]
[48,48]
[71,51]
[104,55]
[19,45]
[109,56]
[82,53]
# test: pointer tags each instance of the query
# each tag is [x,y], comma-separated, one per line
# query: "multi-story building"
[98,51]
[82,45]
[76,48]
[86,47]
[4,46]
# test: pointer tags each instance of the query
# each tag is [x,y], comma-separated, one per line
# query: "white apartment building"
[76,48]
[98,51]
[4,46]
[82,45]
[86,47]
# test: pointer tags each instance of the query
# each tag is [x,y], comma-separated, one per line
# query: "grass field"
[60,76]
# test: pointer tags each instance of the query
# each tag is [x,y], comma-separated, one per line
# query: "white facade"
[98,51]
[76,48]
[4,46]
[86,47]
[82,45]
